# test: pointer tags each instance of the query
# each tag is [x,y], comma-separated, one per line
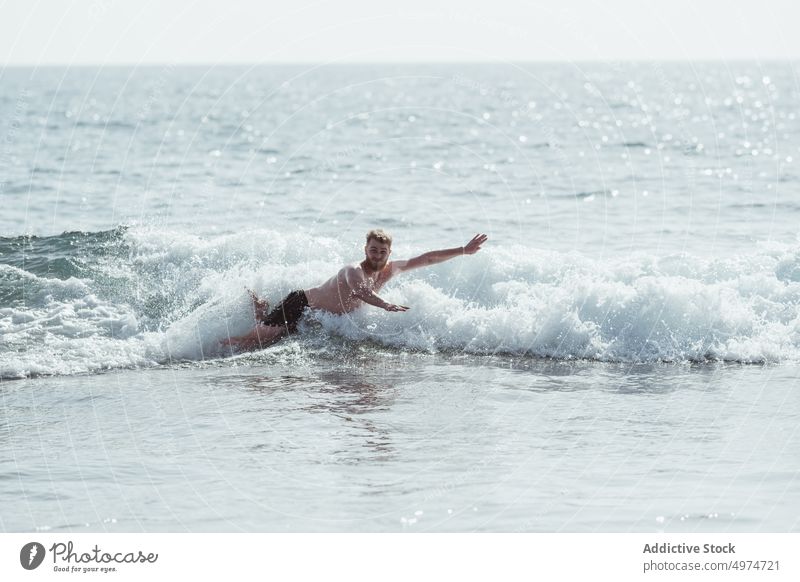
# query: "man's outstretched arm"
[433,257]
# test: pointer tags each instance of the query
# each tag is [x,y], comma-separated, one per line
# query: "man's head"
[378,249]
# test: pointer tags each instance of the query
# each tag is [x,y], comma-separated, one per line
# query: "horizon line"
[402,62]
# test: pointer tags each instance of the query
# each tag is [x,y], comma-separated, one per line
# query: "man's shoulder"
[352,272]
[351,267]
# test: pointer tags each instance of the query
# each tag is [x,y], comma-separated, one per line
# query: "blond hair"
[380,235]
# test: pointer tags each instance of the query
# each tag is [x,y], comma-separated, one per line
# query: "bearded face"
[377,254]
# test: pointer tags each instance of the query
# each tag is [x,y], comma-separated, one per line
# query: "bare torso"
[336,294]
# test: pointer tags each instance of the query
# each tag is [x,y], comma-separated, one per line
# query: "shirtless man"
[346,291]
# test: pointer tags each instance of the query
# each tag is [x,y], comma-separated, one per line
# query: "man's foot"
[260,306]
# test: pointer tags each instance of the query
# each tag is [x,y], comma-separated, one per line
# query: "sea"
[621,356]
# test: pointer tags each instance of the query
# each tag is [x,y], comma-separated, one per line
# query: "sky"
[105,32]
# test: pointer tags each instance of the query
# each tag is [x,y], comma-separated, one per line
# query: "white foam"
[641,308]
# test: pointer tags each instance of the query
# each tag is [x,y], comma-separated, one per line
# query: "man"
[346,291]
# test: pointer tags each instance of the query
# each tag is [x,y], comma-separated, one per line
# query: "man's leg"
[261,337]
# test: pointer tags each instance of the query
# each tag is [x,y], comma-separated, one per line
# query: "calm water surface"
[401,442]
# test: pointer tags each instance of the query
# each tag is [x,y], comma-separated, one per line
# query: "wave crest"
[145,296]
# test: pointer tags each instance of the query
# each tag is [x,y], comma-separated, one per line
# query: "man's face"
[377,254]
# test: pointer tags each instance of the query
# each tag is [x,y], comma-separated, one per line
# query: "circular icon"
[31,555]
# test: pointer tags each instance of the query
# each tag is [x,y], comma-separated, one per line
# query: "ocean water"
[623,354]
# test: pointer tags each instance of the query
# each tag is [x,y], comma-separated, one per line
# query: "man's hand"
[393,307]
[474,245]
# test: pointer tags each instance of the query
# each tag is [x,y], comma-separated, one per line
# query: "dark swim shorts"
[288,312]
